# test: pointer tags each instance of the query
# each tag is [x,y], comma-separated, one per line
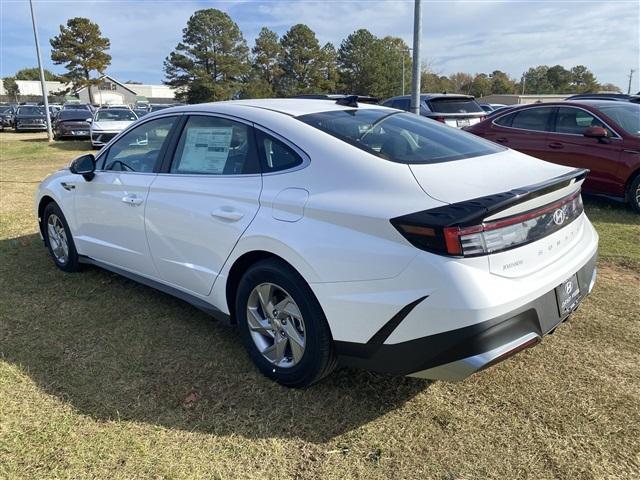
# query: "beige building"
[523,99]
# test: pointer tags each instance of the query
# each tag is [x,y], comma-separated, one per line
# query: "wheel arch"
[627,186]
[42,204]
[238,269]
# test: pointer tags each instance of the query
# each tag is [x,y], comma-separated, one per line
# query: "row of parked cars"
[75,120]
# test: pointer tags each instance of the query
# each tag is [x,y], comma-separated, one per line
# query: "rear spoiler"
[473,212]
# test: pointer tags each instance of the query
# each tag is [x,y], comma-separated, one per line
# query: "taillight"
[494,236]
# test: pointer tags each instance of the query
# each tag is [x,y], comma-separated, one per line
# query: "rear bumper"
[456,354]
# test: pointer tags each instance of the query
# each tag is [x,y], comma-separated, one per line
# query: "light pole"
[417,34]
[45,93]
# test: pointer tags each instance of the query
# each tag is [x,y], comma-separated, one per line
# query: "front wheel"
[59,240]
[283,326]
[634,194]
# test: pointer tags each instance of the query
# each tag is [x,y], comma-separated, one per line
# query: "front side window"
[139,149]
[215,146]
[400,137]
[575,121]
[536,119]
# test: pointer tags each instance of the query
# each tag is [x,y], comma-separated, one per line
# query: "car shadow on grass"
[116,350]
[63,144]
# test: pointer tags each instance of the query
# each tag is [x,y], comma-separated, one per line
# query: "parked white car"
[108,122]
[330,231]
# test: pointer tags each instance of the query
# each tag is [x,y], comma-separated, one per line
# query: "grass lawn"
[103,378]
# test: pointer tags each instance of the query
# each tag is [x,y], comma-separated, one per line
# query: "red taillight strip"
[505,222]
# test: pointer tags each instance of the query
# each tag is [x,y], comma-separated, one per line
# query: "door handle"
[132,200]
[502,140]
[556,145]
[68,186]
[227,213]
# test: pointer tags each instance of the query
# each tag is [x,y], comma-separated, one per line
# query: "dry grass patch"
[104,378]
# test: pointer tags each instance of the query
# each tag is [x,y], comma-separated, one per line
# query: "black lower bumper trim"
[539,316]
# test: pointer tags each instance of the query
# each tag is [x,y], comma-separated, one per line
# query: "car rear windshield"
[454,105]
[74,115]
[627,115]
[116,115]
[400,137]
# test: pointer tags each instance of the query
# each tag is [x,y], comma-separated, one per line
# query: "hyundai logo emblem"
[569,287]
[558,217]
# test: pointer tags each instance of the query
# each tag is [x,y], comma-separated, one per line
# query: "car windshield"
[627,115]
[454,105]
[400,137]
[6,109]
[155,108]
[76,106]
[116,115]
[31,111]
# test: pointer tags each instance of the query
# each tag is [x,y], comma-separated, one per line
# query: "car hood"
[475,177]
[117,126]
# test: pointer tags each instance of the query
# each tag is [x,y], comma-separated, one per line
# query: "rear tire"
[299,327]
[59,240]
[634,194]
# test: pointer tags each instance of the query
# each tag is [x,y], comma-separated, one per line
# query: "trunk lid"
[482,176]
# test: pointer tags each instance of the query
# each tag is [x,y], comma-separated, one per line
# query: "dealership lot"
[102,377]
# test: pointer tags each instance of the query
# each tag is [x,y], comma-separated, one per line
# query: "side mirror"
[595,132]
[84,165]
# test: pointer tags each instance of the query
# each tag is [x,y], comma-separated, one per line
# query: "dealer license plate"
[568,295]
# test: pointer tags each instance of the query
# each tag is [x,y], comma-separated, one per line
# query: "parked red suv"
[603,136]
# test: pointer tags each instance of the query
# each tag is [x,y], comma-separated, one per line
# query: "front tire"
[634,194]
[59,240]
[283,326]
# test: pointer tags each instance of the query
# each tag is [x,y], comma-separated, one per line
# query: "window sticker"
[206,150]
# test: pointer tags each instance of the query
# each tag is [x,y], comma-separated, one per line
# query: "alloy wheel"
[276,325]
[58,239]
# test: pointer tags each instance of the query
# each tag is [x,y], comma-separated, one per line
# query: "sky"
[457,35]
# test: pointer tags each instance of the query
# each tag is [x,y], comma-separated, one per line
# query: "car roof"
[288,106]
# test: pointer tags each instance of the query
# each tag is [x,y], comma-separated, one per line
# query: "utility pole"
[524,79]
[417,34]
[45,93]
[630,77]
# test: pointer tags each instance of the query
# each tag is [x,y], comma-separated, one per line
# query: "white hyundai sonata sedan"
[332,232]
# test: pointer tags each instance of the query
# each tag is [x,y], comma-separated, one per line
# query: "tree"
[357,63]
[559,78]
[266,71]
[479,86]
[34,74]
[390,54]
[582,80]
[329,68]
[431,82]
[610,87]
[82,48]
[11,87]
[302,61]
[211,61]
[459,81]
[501,83]
[536,80]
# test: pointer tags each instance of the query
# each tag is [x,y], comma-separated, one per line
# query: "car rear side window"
[215,146]
[276,155]
[537,119]
[454,105]
[400,137]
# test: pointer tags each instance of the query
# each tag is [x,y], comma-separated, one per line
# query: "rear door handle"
[227,213]
[502,140]
[556,145]
[132,200]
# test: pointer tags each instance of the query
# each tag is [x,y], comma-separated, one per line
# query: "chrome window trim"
[498,117]
[306,160]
